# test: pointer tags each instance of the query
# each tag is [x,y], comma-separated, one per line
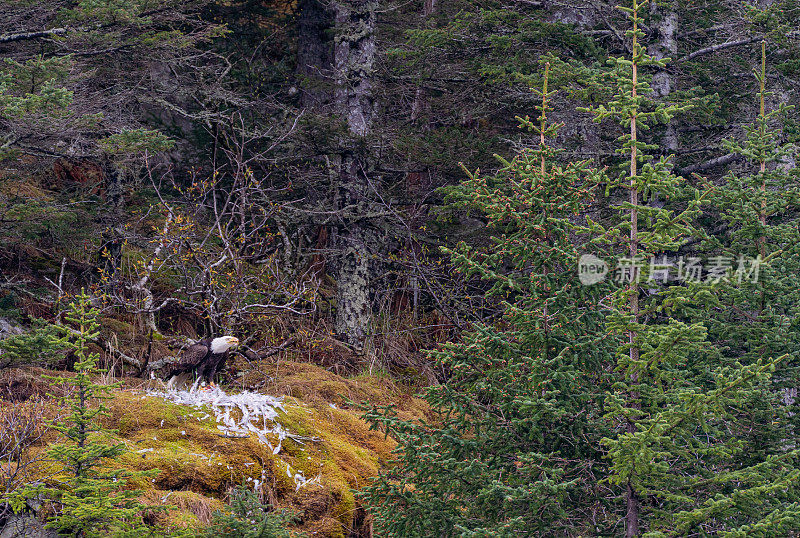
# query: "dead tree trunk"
[354,55]
[665,21]
[665,45]
[416,178]
[110,254]
[313,52]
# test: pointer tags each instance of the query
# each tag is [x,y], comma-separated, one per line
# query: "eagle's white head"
[223,344]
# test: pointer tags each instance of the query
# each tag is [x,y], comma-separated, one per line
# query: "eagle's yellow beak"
[233,341]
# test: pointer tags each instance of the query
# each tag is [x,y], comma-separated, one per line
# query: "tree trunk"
[631,499]
[313,52]
[353,312]
[417,179]
[112,239]
[354,55]
[665,21]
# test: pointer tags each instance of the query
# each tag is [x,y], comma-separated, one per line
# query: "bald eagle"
[204,359]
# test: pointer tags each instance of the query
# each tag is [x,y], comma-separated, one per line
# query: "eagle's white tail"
[196,383]
[179,381]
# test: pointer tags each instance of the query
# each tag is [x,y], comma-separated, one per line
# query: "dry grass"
[21,384]
[24,432]
[185,509]
[319,387]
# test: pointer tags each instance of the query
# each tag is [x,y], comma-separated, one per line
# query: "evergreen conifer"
[515,446]
[93,498]
[679,411]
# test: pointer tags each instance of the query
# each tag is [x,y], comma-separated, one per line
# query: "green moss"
[184,520]
[296,420]
[133,412]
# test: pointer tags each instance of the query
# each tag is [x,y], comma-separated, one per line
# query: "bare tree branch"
[24,36]
[718,47]
[717,161]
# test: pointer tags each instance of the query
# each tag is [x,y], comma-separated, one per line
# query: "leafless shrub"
[22,425]
[214,249]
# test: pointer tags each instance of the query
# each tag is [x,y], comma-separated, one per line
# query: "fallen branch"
[717,161]
[23,36]
[719,47]
[162,362]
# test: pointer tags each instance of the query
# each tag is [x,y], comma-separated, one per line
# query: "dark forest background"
[150,146]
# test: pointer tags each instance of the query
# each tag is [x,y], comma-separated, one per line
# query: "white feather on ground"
[259,413]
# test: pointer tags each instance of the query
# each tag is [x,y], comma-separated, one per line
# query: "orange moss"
[314,386]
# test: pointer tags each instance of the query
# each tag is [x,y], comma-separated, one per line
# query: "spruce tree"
[679,410]
[515,447]
[37,346]
[760,239]
[754,306]
[92,498]
[248,517]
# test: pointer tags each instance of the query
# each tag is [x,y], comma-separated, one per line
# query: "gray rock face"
[7,328]
[25,526]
